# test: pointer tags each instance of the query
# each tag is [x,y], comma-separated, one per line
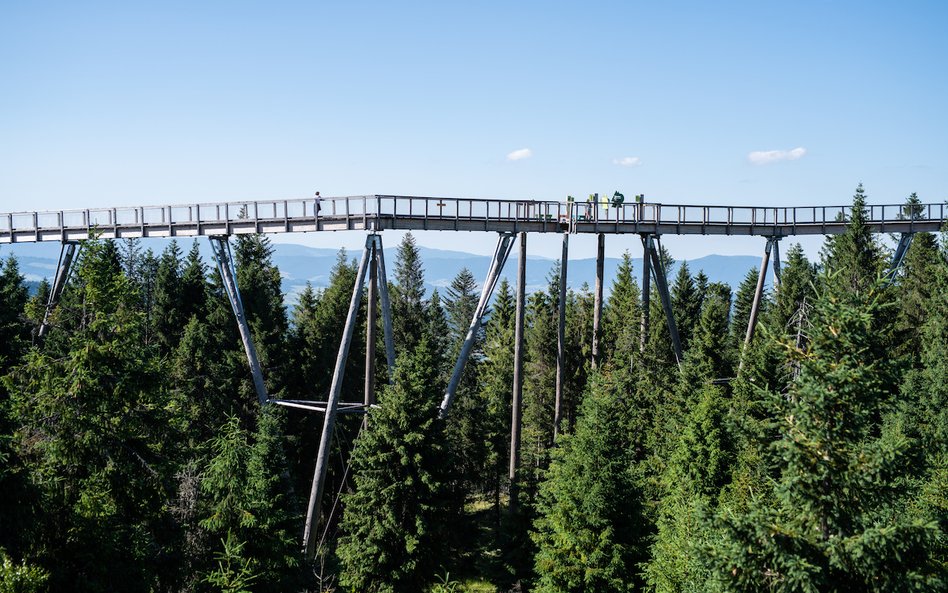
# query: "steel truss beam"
[661,283]
[905,241]
[225,265]
[66,256]
[501,252]
[372,253]
[759,290]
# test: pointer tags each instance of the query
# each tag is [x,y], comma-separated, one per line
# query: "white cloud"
[765,157]
[627,161]
[517,155]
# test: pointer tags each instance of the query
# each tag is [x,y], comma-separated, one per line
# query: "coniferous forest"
[134,455]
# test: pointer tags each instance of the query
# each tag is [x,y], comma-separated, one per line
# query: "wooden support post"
[332,404]
[597,307]
[561,340]
[501,252]
[646,295]
[758,294]
[225,265]
[370,322]
[386,308]
[516,404]
[661,283]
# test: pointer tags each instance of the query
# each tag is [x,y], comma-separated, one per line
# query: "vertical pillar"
[776,262]
[322,458]
[370,322]
[758,294]
[225,264]
[597,307]
[561,339]
[646,294]
[501,252]
[516,404]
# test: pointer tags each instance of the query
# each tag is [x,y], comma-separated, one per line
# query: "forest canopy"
[134,455]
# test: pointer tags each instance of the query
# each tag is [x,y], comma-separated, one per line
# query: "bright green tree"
[831,527]
[392,523]
[588,531]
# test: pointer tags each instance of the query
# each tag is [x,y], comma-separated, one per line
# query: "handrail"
[546,215]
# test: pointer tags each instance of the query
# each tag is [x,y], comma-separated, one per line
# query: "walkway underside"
[377,212]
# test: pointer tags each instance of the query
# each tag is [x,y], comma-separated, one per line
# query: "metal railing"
[543,215]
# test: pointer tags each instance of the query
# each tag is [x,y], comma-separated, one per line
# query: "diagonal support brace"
[759,290]
[225,265]
[372,251]
[501,252]
[66,256]
[905,241]
[661,283]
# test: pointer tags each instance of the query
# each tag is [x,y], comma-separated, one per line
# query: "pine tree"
[467,422]
[168,301]
[743,303]
[831,528]
[686,304]
[408,294]
[589,531]
[392,522]
[96,438]
[853,259]
[621,317]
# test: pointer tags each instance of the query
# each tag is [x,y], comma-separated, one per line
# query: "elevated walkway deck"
[381,212]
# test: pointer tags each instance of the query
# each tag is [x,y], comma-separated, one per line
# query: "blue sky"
[763,103]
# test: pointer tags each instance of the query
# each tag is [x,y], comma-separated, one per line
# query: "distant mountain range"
[300,264]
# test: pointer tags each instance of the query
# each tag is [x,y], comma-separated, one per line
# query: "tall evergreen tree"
[831,528]
[408,295]
[589,531]
[621,317]
[96,436]
[686,303]
[392,522]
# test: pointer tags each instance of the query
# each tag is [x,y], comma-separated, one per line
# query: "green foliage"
[235,572]
[829,529]
[20,578]
[408,294]
[588,531]
[392,523]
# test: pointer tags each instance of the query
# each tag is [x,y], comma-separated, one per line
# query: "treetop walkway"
[381,212]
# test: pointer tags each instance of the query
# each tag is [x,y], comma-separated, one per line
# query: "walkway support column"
[646,296]
[225,265]
[516,404]
[597,307]
[370,322]
[67,255]
[905,241]
[332,404]
[501,252]
[758,295]
[661,283]
[561,339]
[388,336]
[777,269]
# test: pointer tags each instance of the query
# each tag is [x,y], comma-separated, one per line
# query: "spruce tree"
[831,528]
[392,522]
[589,532]
[686,304]
[408,294]
[621,317]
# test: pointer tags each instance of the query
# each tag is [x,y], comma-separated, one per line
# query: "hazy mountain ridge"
[300,264]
